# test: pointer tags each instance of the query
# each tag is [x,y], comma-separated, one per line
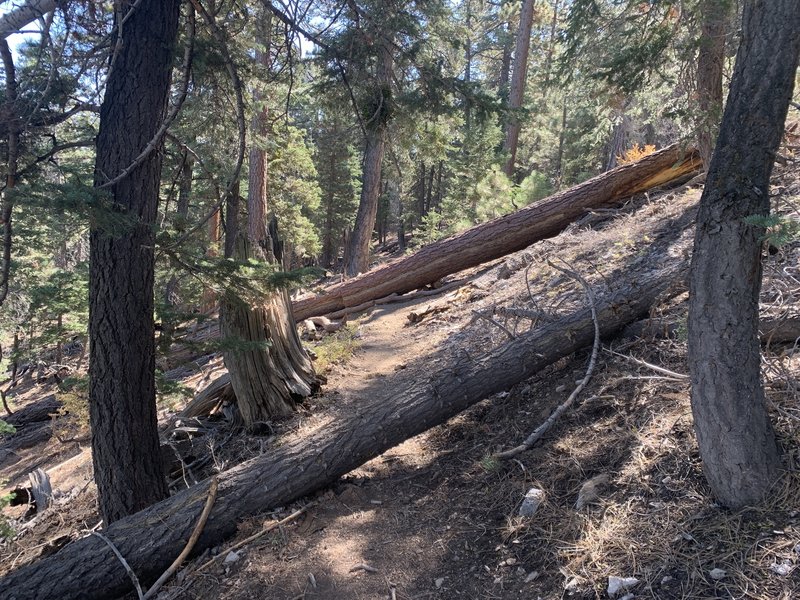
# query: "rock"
[620,584]
[782,569]
[628,597]
[716,574]
[531,576]
[573,585]
[666,580]
[531,503]
[439,582]
[232,558]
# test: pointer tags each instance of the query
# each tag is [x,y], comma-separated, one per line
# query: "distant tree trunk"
[171,295]
[736,440]
[562,134]
[12,156]
[358,258]
[619,135]
[518,78]
[272,371]
[125,446]
[715,17]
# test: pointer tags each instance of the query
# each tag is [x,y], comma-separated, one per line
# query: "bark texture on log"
[504,235]
[152,538]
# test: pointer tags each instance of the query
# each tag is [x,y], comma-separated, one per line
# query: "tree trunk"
[503,235]
[736,440]
[271,371]
[151,540]
[122,403]
[714,15]
[518,77]
[358,257]
[12,156]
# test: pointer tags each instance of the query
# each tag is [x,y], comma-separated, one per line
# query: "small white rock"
[531,503]
[628,597]
[232,557]
[667,579]
[439,582]
[782,569]
[531,576]
[620,584]
[716,574]
[573,585]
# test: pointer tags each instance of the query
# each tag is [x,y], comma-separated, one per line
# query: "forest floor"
[436,517]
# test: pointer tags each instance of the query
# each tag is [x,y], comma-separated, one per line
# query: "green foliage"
[6,428]
[779,230]
[6,531]
[337,348]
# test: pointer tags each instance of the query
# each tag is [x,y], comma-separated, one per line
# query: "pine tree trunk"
[358,257]
[518,77]
[710,61]
[126,453]
[736,440]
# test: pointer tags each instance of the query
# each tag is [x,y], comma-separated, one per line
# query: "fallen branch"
[652,367]
[562,408]
[201,522]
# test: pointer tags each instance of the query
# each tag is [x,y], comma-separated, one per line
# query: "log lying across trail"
[506,234]
[152,538]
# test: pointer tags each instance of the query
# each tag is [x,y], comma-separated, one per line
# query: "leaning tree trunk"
[152,539]
[503,235]
[358,255]
[268,367]
[122,402]
[714,15]
[518,78]
[736,440]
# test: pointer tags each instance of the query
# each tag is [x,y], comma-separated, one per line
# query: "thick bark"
[272,372]
[151,539]
[125,445]
[518,78]
[736,440]
[714,15]
[503,235]
[14,126]
[358,256]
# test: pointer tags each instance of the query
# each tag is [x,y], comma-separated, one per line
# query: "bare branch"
[15,20]
[562,408]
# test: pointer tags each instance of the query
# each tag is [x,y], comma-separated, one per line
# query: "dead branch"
[650,366]
[201,522]
[562,408]
[122,560]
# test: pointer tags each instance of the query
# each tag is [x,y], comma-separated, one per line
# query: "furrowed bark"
[151,539]
[504,235]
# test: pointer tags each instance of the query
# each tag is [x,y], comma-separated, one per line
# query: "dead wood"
[772,330]
[213,395]
[151,538]
[504,235]
[35,413]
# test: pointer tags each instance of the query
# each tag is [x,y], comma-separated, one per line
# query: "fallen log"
[771,330]
[151,539]
[503,235]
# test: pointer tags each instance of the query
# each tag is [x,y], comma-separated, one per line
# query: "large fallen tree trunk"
[506,234]
[152,538]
